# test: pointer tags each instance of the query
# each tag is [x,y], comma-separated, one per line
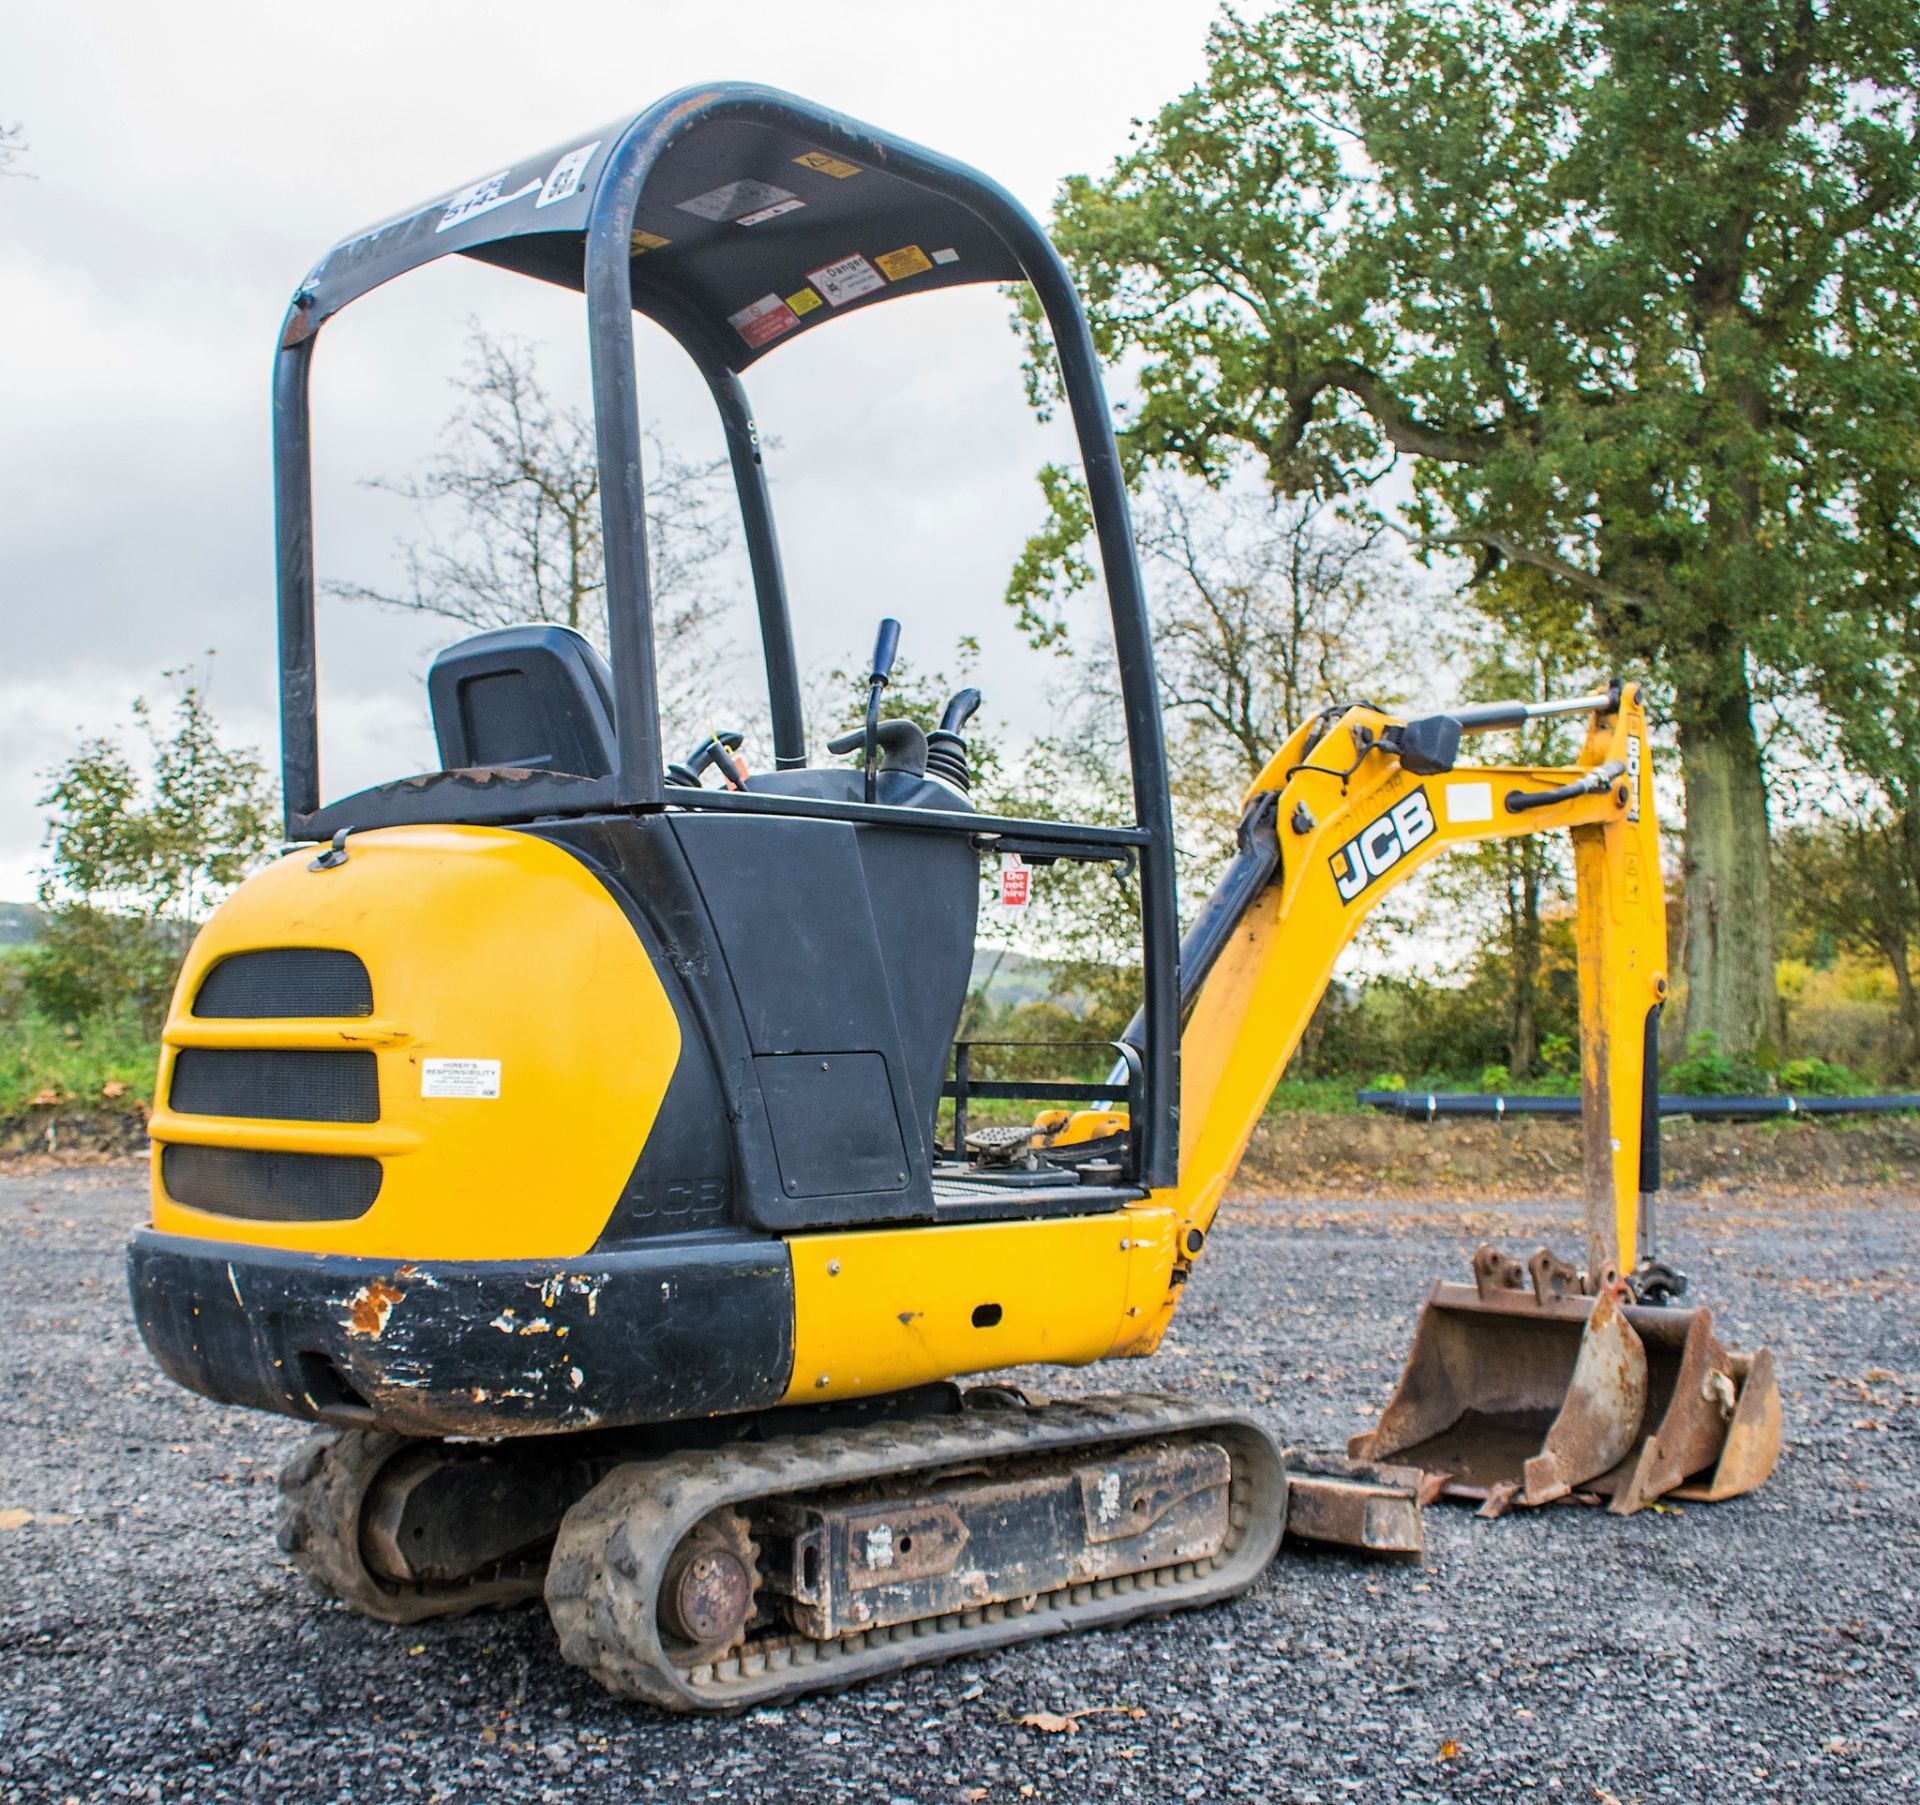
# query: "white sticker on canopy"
[792,204]
[563,180]
[1469,802]
[949,255]
[460,1078]
[734,199]
[482,197]
[847,280]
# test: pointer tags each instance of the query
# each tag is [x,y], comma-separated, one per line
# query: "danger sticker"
[460,1078]
[733,199]
[763,320]
[563,180]
[846,280]
[482,197]
[1016,882]
[827,165]
[803,302]
[909,260]
[642,242]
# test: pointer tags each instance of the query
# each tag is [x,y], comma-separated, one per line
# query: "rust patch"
[369,1308]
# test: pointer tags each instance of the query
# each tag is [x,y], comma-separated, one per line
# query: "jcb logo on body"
[1382,844]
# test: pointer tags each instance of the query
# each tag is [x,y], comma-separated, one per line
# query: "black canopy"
[746,234]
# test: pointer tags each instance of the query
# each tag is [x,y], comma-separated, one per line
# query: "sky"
[187,164]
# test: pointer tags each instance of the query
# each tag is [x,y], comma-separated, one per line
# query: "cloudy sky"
[189,163]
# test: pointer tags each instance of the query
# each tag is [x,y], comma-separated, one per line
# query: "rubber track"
[323,1489]
[612,1547]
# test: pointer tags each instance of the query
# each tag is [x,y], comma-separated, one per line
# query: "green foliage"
[1495,1079]
[1708,1072]
[137,859]
[1816,1078]
[1633,287]
[105,1062]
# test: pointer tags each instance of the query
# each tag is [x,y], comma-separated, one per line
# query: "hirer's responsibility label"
[460,1078]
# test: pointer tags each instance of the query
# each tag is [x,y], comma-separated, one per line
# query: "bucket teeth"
[1532,1395]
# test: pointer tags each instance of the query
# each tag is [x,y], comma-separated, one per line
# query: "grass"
[105,1064]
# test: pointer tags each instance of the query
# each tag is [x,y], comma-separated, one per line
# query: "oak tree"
[1623,289]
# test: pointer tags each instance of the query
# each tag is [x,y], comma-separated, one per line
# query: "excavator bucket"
[1712,1426]
[1510,1392]
[1526,1394]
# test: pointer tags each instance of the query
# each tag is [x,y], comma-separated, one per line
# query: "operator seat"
[536,697]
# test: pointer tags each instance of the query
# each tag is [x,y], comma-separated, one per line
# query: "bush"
[1816,1078]
[1708,1072]
[107,1061]
[1494,1079]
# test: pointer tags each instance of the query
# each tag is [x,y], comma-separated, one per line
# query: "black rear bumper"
[688,1328]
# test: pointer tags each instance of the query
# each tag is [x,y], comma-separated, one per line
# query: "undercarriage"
[800,1556]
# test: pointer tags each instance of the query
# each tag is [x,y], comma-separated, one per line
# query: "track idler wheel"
[708,1590]
[352,1499]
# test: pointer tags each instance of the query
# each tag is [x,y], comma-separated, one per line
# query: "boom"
[1357,806]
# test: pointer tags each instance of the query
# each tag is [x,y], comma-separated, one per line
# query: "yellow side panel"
[481,945]
[879,1309]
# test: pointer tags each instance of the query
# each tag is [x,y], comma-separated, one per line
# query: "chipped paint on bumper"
[494,1348]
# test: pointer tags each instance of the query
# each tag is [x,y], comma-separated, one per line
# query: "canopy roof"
[746,232]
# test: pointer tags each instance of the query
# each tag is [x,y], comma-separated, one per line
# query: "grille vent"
[270,1187]
[282,1084]
[285,981]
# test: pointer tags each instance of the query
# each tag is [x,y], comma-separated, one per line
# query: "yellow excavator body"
[563,1134]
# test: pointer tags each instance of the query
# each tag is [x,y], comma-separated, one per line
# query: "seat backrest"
[537,697]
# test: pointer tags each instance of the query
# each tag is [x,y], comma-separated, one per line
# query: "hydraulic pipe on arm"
[1359,803]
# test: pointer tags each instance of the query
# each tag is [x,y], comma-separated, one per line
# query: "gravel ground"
[154,1645]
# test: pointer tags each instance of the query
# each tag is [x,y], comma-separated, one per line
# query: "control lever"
[885,647]
[716,749]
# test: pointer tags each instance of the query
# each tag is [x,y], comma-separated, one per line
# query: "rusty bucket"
[1712,1426]
[1518,1392]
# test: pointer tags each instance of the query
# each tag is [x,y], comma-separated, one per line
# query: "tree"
[1853,879]
[12,147]
[138,860]
[514,498]
[1861,872]
[1626,284]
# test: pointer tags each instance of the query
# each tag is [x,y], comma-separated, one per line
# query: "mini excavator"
[559,1129]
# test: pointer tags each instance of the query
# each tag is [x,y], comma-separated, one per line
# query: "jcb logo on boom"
[1382,844]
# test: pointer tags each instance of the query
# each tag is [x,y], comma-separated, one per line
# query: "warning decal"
[1016,881]
[949,255]
[833,166]
[642,242]
[846,280]
[909,260]
[460,1078]
[762,321]
[803,302]
[737,198]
